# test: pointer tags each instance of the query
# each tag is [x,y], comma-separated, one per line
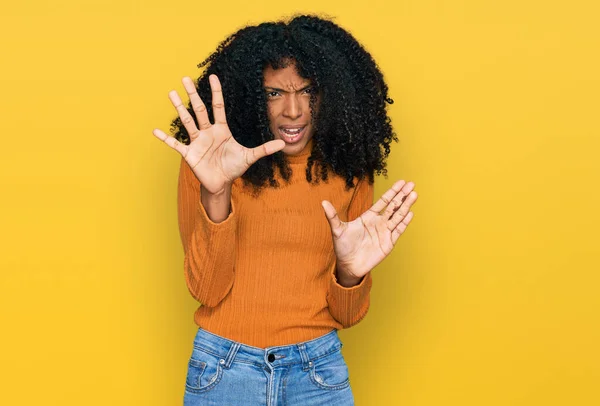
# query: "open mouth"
[292,135]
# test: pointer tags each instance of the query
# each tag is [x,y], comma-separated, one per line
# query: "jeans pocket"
[330,372]
[205,371]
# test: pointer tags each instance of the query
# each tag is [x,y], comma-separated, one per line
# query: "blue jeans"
[228,373]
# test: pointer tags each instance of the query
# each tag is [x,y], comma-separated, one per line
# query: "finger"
[399,230]
[171,141]
[403,211]
[218,104]
[387,197]
[184,114]
[265,149]
[397,201]
[332,217]
[197,104]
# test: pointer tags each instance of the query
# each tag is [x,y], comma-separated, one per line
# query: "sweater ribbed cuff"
[348,305]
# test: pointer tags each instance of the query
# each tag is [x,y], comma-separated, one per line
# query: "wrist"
[217,205]
[347,280]
[225,191]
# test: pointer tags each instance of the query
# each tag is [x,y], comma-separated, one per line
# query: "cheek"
[272,113]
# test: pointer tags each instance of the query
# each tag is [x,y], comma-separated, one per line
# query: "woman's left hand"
[362,244]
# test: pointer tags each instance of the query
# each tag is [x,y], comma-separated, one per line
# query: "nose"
[293,107]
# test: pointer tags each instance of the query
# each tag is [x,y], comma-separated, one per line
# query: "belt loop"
[231,354]
[306,363]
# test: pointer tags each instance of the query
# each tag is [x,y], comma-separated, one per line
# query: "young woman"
[276,213]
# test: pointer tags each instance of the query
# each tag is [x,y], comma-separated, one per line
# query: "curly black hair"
[352,130]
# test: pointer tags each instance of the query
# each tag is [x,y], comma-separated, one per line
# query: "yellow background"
[490,298]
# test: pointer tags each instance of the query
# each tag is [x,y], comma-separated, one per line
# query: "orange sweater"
[265,276]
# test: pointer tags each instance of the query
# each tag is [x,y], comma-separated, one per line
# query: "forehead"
[283,78]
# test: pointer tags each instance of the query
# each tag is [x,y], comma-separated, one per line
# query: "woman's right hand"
[214,156]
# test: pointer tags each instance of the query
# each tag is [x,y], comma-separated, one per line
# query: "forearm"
[210,257]
[217,206]
[208,228]
[209,265]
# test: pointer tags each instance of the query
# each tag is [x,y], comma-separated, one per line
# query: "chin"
[294,149]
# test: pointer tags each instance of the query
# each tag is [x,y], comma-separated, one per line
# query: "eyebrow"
[284,91]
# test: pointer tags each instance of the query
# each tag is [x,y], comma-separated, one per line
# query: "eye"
[309,90]
[272,93]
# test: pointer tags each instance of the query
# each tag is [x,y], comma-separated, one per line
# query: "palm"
[363,243]
[215,157]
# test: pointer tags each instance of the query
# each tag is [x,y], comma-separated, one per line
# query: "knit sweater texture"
[265,276]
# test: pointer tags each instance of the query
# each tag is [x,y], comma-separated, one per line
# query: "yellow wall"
[490,298]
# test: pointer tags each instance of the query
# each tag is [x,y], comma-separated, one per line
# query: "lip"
[291,140]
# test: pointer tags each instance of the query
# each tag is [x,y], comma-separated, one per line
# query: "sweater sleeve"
[350,305]
[209,248]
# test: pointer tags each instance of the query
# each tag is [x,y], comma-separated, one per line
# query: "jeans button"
[271,357]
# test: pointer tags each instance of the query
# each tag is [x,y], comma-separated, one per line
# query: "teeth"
[293,131]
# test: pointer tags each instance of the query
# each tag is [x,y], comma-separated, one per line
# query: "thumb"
[332,217]
[265,149]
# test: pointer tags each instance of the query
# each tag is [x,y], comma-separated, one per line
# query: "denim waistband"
[303,352]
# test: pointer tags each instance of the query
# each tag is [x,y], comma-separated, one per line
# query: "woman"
[279,238]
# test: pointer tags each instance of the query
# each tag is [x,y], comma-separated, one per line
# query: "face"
[288,98]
